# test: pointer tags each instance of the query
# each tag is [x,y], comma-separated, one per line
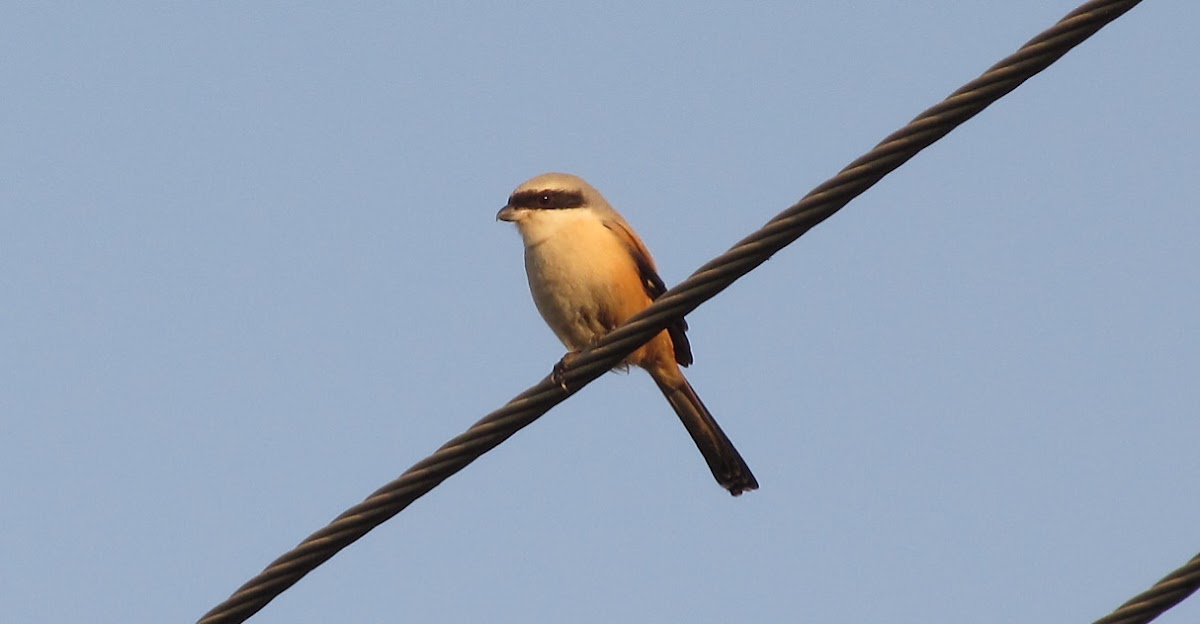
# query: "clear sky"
[250,272]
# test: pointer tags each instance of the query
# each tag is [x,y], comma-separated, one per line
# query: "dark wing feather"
[654,286]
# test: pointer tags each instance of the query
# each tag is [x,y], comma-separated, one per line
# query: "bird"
[588,272]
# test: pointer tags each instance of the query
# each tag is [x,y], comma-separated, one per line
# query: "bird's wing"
[653,284]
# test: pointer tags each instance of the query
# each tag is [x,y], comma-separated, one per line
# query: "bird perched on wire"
[589,272]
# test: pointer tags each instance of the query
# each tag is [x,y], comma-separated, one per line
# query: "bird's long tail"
[722,457]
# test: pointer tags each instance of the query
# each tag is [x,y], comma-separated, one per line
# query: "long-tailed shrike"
[589,272]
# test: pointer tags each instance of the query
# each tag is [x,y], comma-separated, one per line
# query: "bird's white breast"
[572,261]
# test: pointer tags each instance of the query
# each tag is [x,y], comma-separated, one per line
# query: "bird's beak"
[507,213]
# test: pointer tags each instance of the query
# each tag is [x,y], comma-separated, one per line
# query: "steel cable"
[1153,602]
[702,285]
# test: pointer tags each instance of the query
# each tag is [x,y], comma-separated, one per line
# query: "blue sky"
[251,272]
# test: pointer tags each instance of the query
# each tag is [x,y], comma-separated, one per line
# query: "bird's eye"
[544,199]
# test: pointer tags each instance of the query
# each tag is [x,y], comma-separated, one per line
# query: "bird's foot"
[559,374]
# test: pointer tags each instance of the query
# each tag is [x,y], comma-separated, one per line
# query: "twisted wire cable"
[1153,602]
[706,282]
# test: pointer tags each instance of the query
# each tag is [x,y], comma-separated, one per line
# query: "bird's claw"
[559,374]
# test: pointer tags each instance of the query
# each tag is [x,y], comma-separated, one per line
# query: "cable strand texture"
[1153,602]
[712,278]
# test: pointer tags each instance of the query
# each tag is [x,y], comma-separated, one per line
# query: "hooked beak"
[507,213]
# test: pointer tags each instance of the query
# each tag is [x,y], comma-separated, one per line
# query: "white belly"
[571,273]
